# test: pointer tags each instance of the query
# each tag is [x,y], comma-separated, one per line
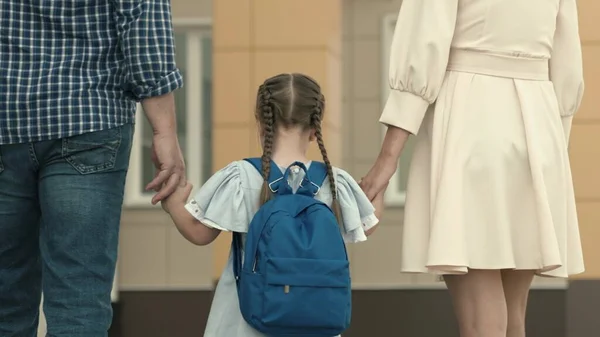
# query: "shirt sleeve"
[220,201]
[146,40]
[418,60]
[358,214]
[566,64]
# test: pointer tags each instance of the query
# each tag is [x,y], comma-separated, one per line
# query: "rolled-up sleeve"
[418,60]
[146,40]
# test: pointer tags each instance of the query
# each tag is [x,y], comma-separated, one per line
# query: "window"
[193,105]
[396,192]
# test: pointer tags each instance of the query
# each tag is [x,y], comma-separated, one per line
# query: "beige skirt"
[490,183]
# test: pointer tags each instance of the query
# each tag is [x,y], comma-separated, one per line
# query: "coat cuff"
[404,110]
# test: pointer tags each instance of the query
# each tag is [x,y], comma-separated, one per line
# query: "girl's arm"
[193,230]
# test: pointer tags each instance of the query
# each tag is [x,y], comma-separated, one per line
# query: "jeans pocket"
[93,152]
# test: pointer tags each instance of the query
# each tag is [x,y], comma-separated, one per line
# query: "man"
[71,72]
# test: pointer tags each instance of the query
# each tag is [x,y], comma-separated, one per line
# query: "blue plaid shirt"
[69,67]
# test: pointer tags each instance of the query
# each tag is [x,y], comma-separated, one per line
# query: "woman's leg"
[516,285]
[479,303]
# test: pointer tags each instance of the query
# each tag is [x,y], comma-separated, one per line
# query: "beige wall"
[247,48]
[375,263]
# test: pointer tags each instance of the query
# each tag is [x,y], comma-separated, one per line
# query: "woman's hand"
[387,162]
[376,181]
[178,198]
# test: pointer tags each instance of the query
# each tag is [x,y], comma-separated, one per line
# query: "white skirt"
[490,183]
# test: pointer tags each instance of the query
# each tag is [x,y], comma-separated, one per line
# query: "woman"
[489,89]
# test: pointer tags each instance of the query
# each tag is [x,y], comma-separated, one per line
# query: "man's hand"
[166,153]
[169,164]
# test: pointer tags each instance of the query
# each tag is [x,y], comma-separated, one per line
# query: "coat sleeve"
[418,60]
[566,65]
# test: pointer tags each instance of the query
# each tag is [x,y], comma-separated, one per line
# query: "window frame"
[195,29]
[394,197]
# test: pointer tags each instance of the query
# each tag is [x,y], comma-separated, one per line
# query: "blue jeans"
[60,209]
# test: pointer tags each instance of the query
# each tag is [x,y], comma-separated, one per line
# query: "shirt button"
[296,169]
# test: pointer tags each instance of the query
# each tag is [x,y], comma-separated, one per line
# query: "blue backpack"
[295,278]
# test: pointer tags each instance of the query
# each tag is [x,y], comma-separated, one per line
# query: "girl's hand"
[379,206]
[179,197]
[378,202]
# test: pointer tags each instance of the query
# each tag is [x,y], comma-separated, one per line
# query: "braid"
[265,108]
[316,124]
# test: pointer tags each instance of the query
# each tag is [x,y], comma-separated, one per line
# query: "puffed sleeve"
[358,214]
[220,201]
[566,65]
[418,60]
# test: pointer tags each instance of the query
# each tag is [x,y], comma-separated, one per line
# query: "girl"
[490,199]
[289,112]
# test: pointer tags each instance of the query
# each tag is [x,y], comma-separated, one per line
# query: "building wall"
[161,261]
[362,104]
[166,282]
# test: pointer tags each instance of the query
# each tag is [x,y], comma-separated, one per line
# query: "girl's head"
[291,102]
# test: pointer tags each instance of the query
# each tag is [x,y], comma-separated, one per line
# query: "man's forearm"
[160,111]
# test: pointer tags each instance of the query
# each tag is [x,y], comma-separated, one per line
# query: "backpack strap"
[317,173]
[275,176]
[236,247]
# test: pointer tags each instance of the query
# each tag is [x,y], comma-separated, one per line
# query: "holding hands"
[376,181]
[169,164]
[378,178]
[178,198]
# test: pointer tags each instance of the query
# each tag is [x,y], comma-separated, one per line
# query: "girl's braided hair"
[291,100]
